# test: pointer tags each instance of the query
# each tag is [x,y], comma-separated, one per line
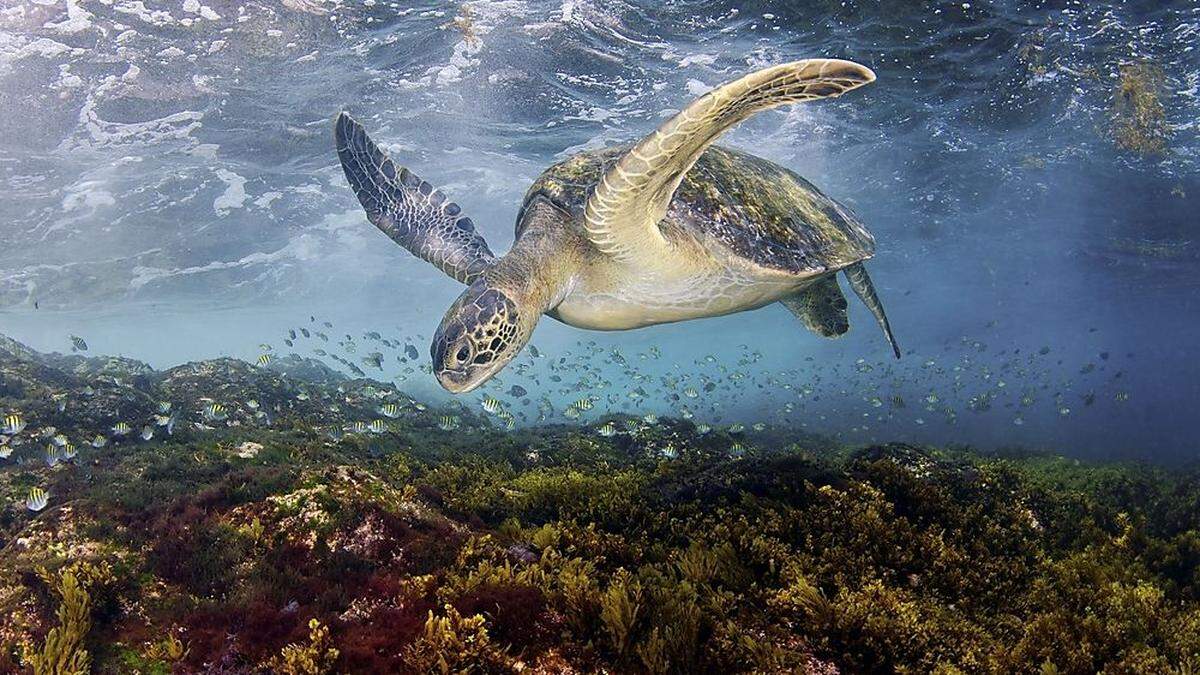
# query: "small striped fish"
[99,441]
[215,412]
[737,428]
[669,452]
[53,455]
[6,451]
[359,427]
[264,360]
[377,427]
[607,429]
[448,422]
[164,407]
[13,424]
[632,426]
[691,392]
[703,428]
[389,410]
[121,428]
[69,452]
[737,450]
[492,405]
[650,418]
[583,404]
[37,499]
[147,432]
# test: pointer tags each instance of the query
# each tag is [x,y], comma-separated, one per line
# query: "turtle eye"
[464,353]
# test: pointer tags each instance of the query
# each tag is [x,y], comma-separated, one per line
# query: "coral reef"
[554,549]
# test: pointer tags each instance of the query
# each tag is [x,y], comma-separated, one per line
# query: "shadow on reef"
[280,542]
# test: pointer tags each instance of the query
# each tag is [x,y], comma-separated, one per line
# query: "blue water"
[171,193]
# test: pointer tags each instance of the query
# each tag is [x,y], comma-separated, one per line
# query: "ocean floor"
[294,521]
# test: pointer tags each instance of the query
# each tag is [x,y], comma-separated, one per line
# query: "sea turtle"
[669,229]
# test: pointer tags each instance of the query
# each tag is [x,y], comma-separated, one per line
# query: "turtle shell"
[754,208]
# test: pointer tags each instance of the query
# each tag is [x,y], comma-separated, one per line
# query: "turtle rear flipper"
[821,307]
[408,209]
[856,274]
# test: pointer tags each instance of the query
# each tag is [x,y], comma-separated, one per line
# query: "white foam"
[234,196]
[78,20]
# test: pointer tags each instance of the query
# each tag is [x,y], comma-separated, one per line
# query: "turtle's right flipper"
[821,307]
[408,209]
[622,214]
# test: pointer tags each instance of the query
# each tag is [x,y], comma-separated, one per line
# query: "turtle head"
[482,331]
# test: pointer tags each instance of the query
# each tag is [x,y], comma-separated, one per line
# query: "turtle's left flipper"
[821,307]
[856,274]
[408,209]
[622,215]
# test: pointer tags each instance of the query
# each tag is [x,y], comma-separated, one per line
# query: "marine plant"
[459,553]
[63,651]
[316,657]
[452,644]
[1139,117]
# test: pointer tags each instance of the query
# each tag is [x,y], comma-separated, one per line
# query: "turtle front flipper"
[821,307]
[408,209]
[623,213]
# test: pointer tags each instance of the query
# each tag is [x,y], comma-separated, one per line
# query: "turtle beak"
[457,382]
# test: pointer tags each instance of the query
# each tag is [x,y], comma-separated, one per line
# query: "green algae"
[555,550]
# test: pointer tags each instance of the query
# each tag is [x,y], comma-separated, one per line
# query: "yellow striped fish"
[37,499]
[264,360]
[121,428]
[492,405]
[448,422]
[390,410]
[215,412]
[607,429]
[14,424]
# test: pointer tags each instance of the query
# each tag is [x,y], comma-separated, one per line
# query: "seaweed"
[455,553]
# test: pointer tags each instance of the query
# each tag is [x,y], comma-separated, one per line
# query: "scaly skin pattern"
[409,210]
